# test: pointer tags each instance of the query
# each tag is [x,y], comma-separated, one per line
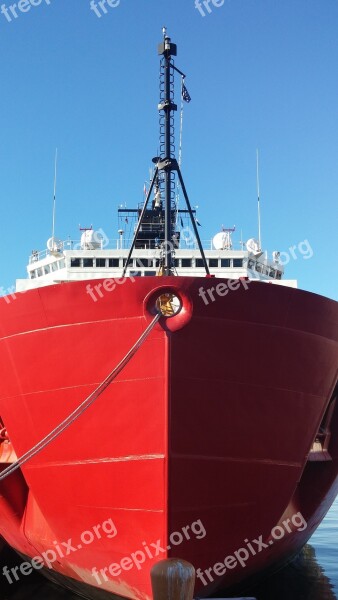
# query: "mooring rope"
[82,407]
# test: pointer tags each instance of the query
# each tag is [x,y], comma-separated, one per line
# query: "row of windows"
[213,263]
[264,269]
[95,262]
[54,266]
[152,262]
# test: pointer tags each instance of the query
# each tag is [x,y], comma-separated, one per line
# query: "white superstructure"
[92,258]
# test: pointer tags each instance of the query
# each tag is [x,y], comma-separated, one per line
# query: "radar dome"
[54,244]
[222,241]
[91,240]
[252,246]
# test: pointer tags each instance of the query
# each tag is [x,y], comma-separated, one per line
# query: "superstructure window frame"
[75,262]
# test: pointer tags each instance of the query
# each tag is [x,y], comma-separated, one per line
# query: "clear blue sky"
[261,73]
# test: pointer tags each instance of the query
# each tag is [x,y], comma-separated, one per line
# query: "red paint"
[213,419]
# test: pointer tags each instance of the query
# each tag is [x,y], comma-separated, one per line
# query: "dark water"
[312,576]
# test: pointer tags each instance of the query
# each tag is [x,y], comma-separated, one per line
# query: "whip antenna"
[54,194]
[258,202]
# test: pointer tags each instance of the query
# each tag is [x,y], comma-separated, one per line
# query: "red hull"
[210,423]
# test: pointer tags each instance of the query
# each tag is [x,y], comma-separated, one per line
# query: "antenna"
[258,202]
[54,194]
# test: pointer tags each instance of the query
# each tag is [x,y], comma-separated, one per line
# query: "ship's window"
[75,262]
[149,273]
[225,262]
[238,262]
[186,262]
[47,269]
[199,262]
[88,262]
[32,274]
[62,264]
[39,272]
[176,262]
[213,262]
[54,266]
[114,262]
[100,262]
[135,273]
[259,267]
[129,263]
[251,263]
[157,262]
[144,262]
[272,273]
[278,275]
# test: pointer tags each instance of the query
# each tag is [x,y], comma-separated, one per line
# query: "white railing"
[121,244]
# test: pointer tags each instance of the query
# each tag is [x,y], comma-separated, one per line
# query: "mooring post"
[173,579]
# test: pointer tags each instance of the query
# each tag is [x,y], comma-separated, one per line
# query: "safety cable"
[83,406]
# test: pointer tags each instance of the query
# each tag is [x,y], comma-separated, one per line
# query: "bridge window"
[213,262]
[199,262]
[88,262]
[144,262]
[114,262]
[225,262]
[186,262]
[75,262]
[238,262]
[100,262]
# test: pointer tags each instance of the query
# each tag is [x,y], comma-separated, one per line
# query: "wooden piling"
[173,579]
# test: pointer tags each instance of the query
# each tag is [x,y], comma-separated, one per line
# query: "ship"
[163,398]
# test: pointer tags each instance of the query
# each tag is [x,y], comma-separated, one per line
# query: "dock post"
[173,579]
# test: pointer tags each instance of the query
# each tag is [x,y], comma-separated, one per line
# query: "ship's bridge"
[93,257]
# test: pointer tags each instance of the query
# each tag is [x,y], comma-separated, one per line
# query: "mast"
[167,50]
[167,161]
[166,166]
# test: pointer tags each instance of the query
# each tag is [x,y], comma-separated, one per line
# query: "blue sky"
[261,73]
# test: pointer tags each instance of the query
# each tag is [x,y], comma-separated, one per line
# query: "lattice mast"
[167,140]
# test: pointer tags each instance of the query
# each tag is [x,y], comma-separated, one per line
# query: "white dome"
[91,240]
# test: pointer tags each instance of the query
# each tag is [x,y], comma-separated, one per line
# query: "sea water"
[312,576]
